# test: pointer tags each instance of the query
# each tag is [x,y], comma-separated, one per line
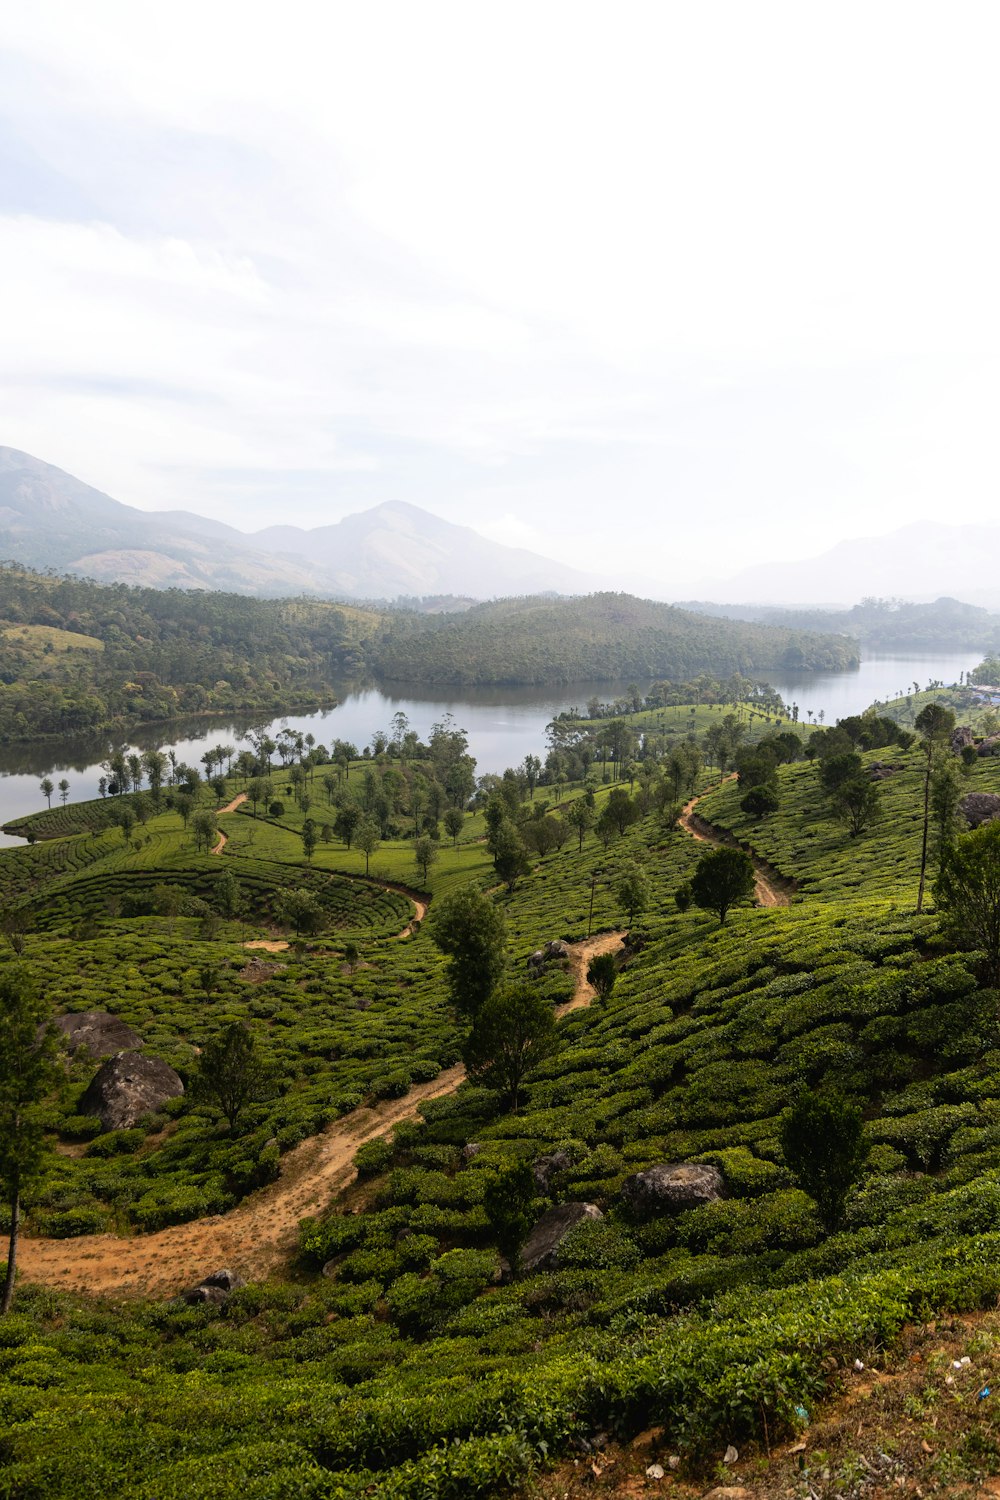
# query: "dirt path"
[260,1235]
[769,888]
[230,807]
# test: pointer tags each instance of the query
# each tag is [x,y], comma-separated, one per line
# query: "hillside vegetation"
[603,636]
[394,1355]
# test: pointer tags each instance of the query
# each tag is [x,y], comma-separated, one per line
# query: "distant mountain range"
[49,519]
[919,562]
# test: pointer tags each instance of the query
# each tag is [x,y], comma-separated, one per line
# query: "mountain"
[920,561]
[49,519]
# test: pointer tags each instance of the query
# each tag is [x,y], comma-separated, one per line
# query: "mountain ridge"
[51,519]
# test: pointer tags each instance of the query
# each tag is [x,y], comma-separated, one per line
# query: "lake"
[503,724]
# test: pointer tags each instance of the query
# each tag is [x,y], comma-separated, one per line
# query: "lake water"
[503,724]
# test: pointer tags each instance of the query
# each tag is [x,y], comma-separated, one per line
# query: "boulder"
[215,1288]
[128,1086]
[469,1151]
[537,960]
[979,807]
[961,736]
[541,1249]
[672,1187]
[990,746]
[547,1168]
[556,949]
[97,1032]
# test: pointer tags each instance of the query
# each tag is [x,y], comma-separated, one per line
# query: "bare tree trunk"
[15,1225]
[923,847]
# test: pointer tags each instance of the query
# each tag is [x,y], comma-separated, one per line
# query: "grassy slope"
[706,1038]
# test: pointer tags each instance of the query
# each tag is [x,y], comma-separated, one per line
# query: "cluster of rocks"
[555,952]
[128,1084]
[215,1289]
[979,807]
[666,1188]
[881,770]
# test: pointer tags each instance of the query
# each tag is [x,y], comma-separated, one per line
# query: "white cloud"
[648,280]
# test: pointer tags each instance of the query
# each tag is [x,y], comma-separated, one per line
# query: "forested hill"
[887,624]
[607,636]
[75,655]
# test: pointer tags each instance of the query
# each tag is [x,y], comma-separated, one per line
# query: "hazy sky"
[667,287]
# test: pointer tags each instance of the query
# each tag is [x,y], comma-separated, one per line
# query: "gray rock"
[961,736]
[128,1086]
[979,807]
[547,1168]
[556,949]
[537,960]
[97,1032]
[670,1188]
[215,1289]
[990,746]
[541,1249]
[469,1151]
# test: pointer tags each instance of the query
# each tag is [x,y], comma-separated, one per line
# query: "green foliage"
[823,1144]
[231,1072]
[724,877]
[512,1032]
[470,930]
[968,889]
[508,1203]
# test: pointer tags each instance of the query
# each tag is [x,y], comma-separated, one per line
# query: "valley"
[372,1343]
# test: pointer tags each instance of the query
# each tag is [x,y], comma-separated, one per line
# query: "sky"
[659,289]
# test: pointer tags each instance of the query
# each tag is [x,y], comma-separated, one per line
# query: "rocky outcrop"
[672,1187]
[979,807]
[961,736]
[553,953]
[990,746]
[97,1032]
[127,1087]
[547,1169]
[215,1289]
[541,1248]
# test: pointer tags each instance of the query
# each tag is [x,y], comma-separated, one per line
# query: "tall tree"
[470,930]
[968,891]
[425,852]
[511,1034]
[723,877]
[934,724]
[232,1074]
[47,787]
[28,1074]
[366,836]
[824,1146]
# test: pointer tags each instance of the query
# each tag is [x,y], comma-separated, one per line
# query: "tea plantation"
[396,1355]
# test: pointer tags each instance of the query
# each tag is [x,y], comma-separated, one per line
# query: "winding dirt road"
[229,808]
[259,1236]
[770,888]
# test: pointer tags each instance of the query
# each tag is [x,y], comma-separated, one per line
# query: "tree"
[934,724]
[602,973]
[761,799]
[47,788]
[367,839]
[300,909]
[508,1204]
[858,803]
[309,838]
[968,892]
[822,1138]
[621,810]
[512,1032]
[632,891]
[470,931]
[64,791]
[231,1072]
[346,821]
[205,828]
[946,791]
[723,877]
[228,895]
[454,822]
[580,817]
[510,857]
[425,852]
[28,1074]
